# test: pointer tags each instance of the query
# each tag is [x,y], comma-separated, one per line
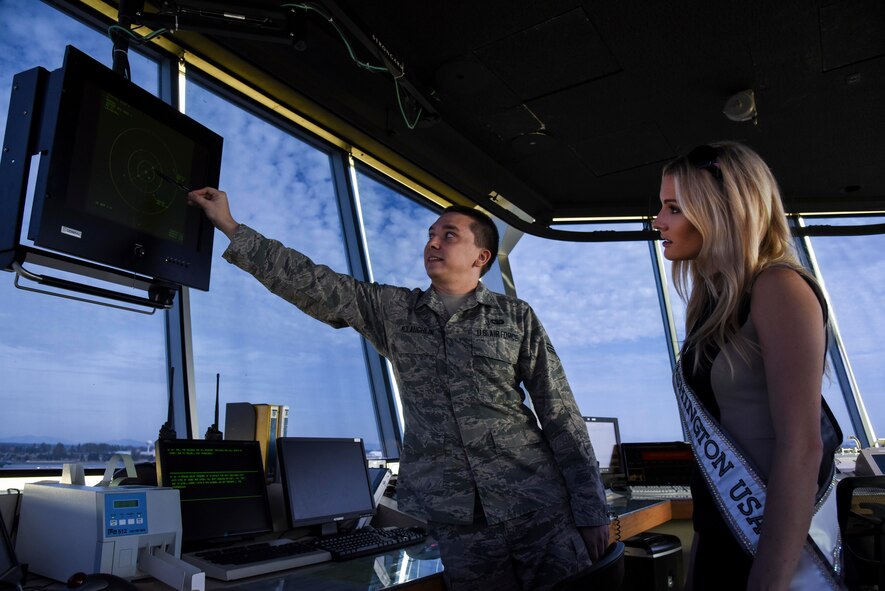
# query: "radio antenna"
[212,432]
[167,431]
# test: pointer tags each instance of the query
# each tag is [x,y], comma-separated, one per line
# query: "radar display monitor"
[325,481]
[222,489]
[113,181]
[606,440]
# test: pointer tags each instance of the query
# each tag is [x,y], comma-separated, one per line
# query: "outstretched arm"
[217,208]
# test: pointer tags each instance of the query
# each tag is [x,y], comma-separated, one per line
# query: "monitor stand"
[330,528]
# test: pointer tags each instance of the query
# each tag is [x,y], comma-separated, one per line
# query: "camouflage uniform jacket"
[467,428]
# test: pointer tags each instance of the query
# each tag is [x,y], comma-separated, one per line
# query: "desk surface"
[416,567]
[404,567]
[420,565]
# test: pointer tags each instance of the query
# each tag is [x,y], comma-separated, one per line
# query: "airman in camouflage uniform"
[504,490]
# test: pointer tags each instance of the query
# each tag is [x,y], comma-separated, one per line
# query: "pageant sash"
[740,494]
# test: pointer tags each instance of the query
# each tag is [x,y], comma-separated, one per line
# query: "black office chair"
[606,574]
[860,505]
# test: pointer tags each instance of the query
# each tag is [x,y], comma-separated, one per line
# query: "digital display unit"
[325,481]
[658,463]
[222,489]
[606,440]
[112,184]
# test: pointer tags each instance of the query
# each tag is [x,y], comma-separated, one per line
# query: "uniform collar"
[432,300]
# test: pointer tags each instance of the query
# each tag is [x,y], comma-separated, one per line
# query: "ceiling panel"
[570,106]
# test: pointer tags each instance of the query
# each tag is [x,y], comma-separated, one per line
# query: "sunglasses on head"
[704,158]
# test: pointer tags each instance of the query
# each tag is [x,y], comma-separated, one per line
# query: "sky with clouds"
[77,372]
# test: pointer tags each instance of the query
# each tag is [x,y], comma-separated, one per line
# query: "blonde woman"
[748,382]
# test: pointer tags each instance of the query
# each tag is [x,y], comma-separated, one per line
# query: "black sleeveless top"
[706,516]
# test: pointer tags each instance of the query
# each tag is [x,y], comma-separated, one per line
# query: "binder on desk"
[283,429]
[261,423]
[266,418]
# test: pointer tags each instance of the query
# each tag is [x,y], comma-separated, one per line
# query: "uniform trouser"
[531,552]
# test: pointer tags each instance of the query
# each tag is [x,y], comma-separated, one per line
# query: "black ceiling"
[570,108]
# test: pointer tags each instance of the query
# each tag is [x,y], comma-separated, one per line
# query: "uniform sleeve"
[562,424]
[333,298]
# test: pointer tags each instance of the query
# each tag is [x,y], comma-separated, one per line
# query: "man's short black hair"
[484,230]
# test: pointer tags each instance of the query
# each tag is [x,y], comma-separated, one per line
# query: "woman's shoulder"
[784,276]
[777,274]
[782,287]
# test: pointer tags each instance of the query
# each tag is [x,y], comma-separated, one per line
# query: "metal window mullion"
[179,338]
[860,420]
[383,396]
[509,239]
[660,275]
[660,278]
[180,355]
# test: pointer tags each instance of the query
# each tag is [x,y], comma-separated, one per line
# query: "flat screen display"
[659,463]
[221,485]
[325,480]
[606,440]
[112,186]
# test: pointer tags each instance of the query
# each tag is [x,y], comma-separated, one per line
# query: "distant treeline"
[25,453]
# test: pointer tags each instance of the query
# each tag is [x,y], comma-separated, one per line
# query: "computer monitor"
[606,439]
[114,174]
[325,481]
[222,487]
[658,463]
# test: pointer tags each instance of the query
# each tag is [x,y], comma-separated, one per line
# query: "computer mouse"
[99,582]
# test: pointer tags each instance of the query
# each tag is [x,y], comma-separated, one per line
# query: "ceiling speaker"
[741,106]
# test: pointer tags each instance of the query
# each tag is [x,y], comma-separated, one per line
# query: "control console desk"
[637,516]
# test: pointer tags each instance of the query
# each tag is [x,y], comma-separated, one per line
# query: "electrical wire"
[402,109]
[120,52]
[615,520]
[133,35]
[13,528]
[365,65]
[307,7]
[331,21]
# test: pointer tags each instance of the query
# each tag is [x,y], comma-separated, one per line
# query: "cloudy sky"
[77,372]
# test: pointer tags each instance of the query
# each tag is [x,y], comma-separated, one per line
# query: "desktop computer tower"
[653,562]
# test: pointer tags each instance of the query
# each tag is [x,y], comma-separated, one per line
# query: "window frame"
[179,346]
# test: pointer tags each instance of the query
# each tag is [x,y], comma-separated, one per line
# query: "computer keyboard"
[367,541]
[258,558]
[664,492]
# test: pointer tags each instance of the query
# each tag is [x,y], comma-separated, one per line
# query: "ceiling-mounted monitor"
[116,166]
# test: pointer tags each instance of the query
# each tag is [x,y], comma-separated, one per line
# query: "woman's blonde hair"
[733,200]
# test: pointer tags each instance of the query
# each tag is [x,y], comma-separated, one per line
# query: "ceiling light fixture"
[598,219]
